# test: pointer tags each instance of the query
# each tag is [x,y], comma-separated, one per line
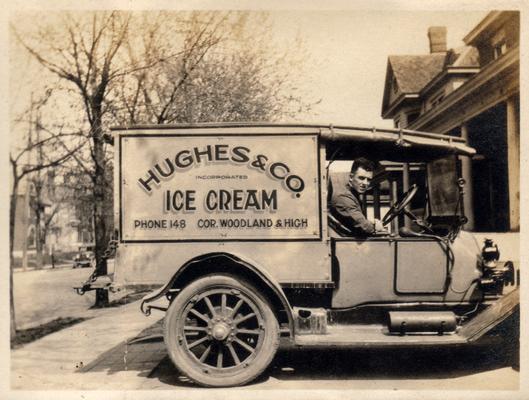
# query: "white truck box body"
[252,193]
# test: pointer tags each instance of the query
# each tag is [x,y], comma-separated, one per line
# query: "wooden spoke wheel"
[220,331]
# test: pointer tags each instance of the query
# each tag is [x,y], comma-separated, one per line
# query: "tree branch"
[53,163]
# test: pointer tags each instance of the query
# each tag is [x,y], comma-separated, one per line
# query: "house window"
[500,49]
[437,99]
[412,116]
[30,240]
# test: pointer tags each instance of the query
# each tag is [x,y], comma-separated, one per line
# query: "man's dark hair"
[364,163]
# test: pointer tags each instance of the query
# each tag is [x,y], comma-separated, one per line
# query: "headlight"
[496,274]
[490,252]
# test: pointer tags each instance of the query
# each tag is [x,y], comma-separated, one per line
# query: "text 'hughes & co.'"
[251,199]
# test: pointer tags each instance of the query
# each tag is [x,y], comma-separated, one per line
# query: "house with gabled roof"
[472,92]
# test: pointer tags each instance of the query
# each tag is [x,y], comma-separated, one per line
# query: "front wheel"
[220,331]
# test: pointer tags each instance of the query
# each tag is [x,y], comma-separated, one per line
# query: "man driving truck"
[346,205]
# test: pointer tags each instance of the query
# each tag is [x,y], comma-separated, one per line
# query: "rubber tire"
[179,355]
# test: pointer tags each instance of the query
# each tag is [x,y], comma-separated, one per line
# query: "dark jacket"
[347,208]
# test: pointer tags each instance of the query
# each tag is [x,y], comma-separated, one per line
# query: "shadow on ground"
[149,358]
[25,336]
[304,365]
[142,354]
[127,299]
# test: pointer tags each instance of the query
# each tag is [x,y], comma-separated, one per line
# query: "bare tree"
[23,166]
[85,52]
[156,67]
[228,69]
[37,201]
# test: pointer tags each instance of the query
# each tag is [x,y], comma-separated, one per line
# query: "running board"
[379,335]
[373,336]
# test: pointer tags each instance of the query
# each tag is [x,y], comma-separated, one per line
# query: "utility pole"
[39,204]
[26,212]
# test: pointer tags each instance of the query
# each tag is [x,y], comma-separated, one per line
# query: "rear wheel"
[220,331]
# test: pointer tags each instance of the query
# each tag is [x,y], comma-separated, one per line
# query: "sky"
[349,51]
[346,60]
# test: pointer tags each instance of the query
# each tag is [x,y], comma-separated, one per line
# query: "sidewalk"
[52,362]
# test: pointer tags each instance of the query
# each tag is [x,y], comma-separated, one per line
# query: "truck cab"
[230,225]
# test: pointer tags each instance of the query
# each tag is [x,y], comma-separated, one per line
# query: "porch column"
[466,172]
[513,162]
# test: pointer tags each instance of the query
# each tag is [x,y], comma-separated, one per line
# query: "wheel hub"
[220,331]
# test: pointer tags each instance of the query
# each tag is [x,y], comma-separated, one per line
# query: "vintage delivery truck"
[231,223]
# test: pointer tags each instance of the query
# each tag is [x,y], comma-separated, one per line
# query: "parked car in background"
[85,257]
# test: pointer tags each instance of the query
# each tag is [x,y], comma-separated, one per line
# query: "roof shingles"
[415,72]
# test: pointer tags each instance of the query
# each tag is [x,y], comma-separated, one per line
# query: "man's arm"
[346,208]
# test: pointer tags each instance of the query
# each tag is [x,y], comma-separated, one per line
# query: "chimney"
[437,36]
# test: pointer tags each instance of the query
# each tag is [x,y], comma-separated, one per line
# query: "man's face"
[360,180]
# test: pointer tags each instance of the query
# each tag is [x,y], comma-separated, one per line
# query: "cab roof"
[379,143]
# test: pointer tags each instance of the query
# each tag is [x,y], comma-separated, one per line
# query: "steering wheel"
[399,207]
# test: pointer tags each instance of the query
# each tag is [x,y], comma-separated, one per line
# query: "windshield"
[443,190]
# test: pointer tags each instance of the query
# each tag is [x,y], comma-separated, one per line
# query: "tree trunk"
[38,237]
[27,216]
[102,294]
[13,320]
[12,214]
[100,228]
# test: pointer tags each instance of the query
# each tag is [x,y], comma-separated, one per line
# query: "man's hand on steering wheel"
[399,207]
[379,227]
